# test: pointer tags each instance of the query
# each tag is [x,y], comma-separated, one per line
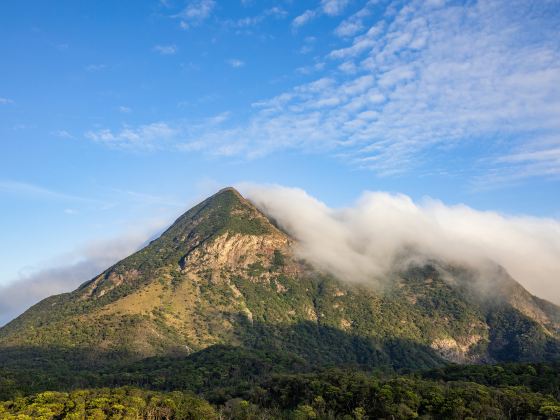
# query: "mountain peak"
[222,273]
[227,210]
[227,190]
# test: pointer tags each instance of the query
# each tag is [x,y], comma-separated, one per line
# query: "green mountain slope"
[223,274]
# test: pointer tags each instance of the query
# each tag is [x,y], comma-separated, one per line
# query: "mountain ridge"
[224,274]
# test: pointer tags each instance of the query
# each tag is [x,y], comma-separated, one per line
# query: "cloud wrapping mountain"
[357,243]
[360,243]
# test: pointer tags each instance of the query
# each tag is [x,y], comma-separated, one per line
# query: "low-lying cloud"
[360,243]
[82,265]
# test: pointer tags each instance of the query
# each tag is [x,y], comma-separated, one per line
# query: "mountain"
[225,275]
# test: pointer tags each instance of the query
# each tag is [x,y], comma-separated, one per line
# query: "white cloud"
[361,43]
[440,77]
[249,21]
[360,243]
[276,11]
[328,7]
[196,12]
[144,136]
[125,109]
[308,44]
[95,67]
[354,24]
[165,49]
[182,135]
[540,157]
[349,28]
[334,7]
[348,67]
[5,101]
[63,134]
[546,155]
[443,76]
[38,192]
[303,19]
[235,63]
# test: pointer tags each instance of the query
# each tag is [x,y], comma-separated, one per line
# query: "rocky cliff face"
[224,274]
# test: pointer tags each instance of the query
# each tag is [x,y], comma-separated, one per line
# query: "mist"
[361,242]
[67,272]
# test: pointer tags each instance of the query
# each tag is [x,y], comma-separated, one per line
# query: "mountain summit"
[223,273]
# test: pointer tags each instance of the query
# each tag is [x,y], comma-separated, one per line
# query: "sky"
[115,117]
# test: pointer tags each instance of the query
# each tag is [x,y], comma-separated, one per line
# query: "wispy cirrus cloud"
[146,136]
[165,49]
[540,157]
[63,134]
[93,68]
[36,191]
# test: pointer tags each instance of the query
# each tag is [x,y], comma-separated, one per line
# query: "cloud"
[478,81]
[444,77]
[182,135]
[165,49]
[196,12]
[125,109]
[90,260]
[360,243]
[6,101]
[537,158]
[63,134]
[249,21]
[235,63]
[303,19]
[354,24]
[328,7]
[334,7]
[309,45]
[146,136]
[95,67]
[38,192]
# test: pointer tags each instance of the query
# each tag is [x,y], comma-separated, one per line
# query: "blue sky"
[117,116]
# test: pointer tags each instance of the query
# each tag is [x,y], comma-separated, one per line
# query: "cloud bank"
[82,265]
[359,243]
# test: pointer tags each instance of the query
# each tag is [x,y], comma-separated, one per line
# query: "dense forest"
[232,383]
